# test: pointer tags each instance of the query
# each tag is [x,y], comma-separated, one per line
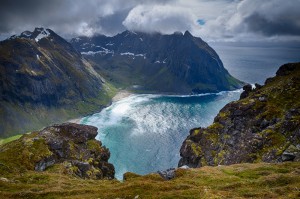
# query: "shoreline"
[120,95]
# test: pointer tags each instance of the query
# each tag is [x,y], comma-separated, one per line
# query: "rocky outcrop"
[264,125]
[72,146]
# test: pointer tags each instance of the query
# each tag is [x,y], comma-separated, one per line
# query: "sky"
[212,20]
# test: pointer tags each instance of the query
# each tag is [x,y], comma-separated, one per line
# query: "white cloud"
[160,18]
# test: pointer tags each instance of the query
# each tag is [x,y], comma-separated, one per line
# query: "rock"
[287,156]
[4,179]
[247,89]
[44,163]
[257,86]
[291,153]
[167,174]
[286,69]
[262,99]
[184,167]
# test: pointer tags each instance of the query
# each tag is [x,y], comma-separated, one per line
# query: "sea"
[144,132]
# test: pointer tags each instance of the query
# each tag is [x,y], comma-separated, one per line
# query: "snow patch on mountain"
[133,55]
[43,33]
[104,51]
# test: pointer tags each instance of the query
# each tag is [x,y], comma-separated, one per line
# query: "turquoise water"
[144,132]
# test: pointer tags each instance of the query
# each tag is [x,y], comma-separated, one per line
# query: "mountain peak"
[40,33]
[37,34]
[188,34]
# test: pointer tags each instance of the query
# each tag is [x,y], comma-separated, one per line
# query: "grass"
[9,139]
[236,181]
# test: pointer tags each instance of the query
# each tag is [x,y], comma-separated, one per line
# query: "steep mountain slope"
[177,63]
[43,79]
[264,125]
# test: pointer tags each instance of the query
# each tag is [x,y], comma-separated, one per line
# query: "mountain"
[177,63]
[263,126]
[43,80]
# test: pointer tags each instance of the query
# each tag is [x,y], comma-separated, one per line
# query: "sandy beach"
[120,95]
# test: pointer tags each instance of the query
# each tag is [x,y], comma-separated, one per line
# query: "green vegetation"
[237,181]
[9,139]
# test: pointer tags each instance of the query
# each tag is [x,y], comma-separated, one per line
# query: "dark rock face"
[177,63]
[75,146]
[264,125]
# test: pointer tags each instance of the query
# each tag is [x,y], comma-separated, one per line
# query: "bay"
[144,133]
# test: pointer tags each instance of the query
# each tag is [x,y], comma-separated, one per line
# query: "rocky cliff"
[176,63]
[43,79]
[68,148]
[263,126]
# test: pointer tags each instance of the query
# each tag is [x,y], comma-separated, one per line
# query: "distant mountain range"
[177,63]
[44,79]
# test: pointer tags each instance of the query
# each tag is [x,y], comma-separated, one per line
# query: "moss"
[196,149]
[129,176]
[224,114]
[94,145]
[220,157]
[23,154]
[203,162]
[196,132]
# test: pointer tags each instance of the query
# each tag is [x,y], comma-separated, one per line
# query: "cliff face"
[177,63]
[42,74]
[264,125]
[70,148]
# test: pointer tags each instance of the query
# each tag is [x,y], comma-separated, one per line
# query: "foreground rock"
[264,125]
[71,146]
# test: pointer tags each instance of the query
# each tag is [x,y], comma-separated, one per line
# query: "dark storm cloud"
[256,20]
[224,19]
[112,24]
[283,25]
[16,12]
[67,16]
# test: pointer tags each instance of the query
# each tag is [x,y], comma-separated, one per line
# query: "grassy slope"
[237,181]
[9,139]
